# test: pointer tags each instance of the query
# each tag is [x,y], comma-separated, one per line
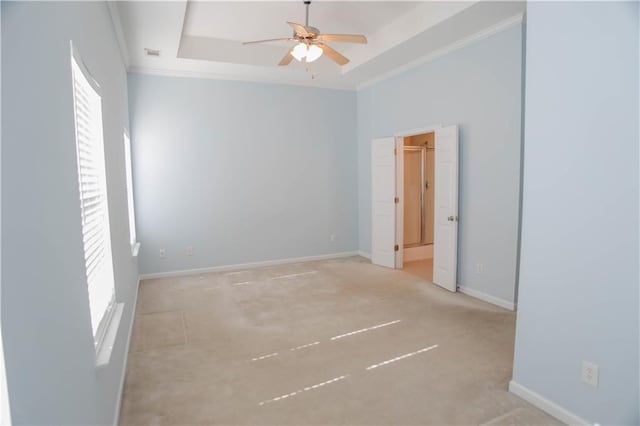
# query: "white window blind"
[132,217]
[93,201]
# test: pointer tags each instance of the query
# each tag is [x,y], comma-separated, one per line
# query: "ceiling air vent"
[151,52]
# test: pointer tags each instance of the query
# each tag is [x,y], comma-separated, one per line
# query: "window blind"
[93,201]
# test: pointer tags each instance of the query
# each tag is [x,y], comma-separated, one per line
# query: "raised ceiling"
[255,20]
[204,39]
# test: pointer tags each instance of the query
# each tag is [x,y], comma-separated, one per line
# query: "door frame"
[399,136]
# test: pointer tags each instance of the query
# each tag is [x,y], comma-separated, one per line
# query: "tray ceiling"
[204,39]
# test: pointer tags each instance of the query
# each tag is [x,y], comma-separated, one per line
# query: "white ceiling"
[260,20]
[204,39]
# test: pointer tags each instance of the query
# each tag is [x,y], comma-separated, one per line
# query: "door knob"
[450,218]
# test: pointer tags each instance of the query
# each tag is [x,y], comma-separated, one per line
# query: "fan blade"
[332,54]
[286,60]
[267,41]
[300,30]
[343,38]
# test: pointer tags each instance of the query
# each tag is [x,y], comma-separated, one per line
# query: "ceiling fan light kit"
[311,44]
[308,53]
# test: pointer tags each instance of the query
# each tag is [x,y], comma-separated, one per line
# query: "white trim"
[117,28]
[5,408]
[105,348]
[315,83]
[546,405]
[116,414]
[248,265]
[487,298]
[418,253]
[420,131]
[364,254]
[480,35]
[131,210]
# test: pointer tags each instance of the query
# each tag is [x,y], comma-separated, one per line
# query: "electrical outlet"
[590,373]
[189,250]
[332,237]
[479,268]
[163,254]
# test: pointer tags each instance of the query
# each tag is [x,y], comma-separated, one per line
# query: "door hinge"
[396,248]
[396,200]
[395,151]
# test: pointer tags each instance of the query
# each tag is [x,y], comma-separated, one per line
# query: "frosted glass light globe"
[314,53]
[300,51]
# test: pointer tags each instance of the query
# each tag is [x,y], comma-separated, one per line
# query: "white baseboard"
[487,298]
[249,265]
[116,416]
[545,405]
[418,253]
[364,254]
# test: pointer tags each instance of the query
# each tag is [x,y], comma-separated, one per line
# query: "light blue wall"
[46,325]
[243,172]
[579,266]
[479,89]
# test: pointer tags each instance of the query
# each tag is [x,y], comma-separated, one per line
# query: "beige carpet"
[330,342]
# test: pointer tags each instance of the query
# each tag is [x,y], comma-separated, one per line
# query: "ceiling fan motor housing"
[313,31]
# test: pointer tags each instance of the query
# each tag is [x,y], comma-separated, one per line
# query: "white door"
[445,244]
[399,153]
[383,207]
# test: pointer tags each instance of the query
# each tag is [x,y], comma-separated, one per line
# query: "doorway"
[388,203]
[418,204]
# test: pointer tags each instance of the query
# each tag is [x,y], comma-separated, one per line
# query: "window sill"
[135,249]
[103,355]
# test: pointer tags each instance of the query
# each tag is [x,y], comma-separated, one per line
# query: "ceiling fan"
[312,44]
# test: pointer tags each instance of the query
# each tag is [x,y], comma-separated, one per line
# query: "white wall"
[579,265]
[46,326]
[242,172]
[478,88]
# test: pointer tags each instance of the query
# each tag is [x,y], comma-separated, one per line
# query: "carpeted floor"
[328,342]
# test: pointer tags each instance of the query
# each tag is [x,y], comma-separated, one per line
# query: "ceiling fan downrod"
[306,20]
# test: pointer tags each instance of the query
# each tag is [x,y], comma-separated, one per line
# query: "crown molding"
[117,27]
[315,83]
[474,38]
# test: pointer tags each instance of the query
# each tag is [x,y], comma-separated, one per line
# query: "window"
[132,216]
[93,199]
